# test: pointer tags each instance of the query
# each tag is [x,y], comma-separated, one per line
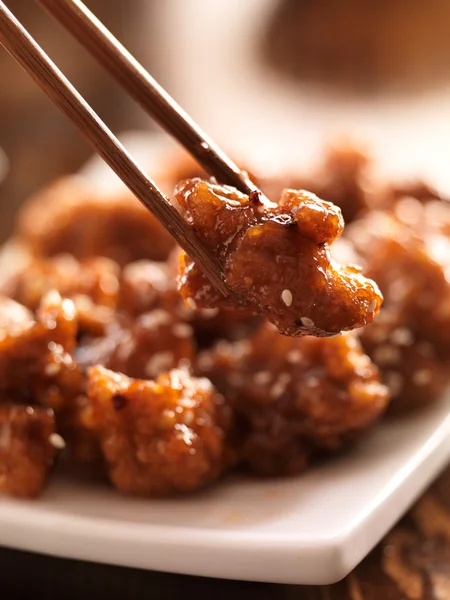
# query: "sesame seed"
[386,354]
[398,289]
[182,330]
[306,322]
[69,308]
[205,362]
[188,417]
[108,284]
[191,303]
[240,349]
[84,303]
[154,319]
[55,348]
[280,385]
[125,348]
[395,382]
[286,296]
[408,210]
[402,336]
[169,413]
[312,382]
[185,434]
[422,377]
[204,384]
[51,299]
[57,441]
[52,369]
[158,363]
[184,365]
[294,356]
[209,313]
[262,377]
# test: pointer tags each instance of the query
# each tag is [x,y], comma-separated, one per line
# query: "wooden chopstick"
[141,86]
[19,43]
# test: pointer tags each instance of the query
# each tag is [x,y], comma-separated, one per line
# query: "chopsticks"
[20,44]
[141,86]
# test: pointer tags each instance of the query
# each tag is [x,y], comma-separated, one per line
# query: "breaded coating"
[71,217]
[92,285]
[28,445]
[151,344]
[276,260]
[343,178]
[36,356]
[406,251]
[161,437]
[116,347]
[147,285]
[295,398]
[409,362]
[38,368]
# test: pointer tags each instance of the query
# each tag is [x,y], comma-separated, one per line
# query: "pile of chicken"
[116,351]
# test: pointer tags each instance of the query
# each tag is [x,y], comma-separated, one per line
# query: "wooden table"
[411,563]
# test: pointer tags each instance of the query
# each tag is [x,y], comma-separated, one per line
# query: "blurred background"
[273,78]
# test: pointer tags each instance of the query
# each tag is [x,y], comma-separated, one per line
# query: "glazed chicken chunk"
[160,437]
[295,398]
[36,360]
[28,445]
[406,251]
[276,260]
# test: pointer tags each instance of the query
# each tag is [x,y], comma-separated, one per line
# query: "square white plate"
[312,529]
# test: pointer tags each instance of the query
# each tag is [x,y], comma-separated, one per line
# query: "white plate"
[311,529]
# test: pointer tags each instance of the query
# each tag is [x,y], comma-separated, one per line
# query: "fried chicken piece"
[37,365]
[342,178]
[36,356]
[149,333]
[71,217]
[409,362]
[418,189]
[161,437]
[94,277]
[92,285]
[28,446]
[406,251]
[295,398]
[147,285]
[276,260]
[142,347]
[348,177]
[153,343]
